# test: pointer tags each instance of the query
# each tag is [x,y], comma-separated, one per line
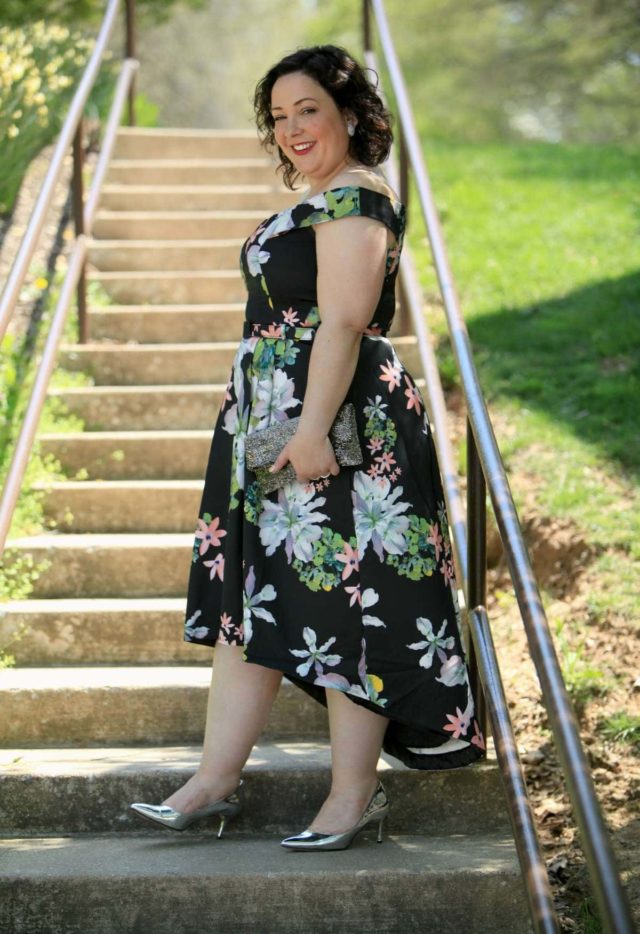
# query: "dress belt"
[282,330]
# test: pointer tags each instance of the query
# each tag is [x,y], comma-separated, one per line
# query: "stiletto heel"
[377,809]
[166,816]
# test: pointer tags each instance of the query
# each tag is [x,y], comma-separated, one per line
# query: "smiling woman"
[342,579]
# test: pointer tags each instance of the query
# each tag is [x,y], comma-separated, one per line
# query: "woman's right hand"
[311,455]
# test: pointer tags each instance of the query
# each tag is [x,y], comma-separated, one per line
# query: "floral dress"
[345,583]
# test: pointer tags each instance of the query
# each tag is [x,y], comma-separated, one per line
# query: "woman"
[343,579]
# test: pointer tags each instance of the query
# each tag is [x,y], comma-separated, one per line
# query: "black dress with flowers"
[345,583]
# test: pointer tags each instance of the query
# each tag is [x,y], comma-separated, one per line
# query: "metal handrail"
[481,648]
[74,280]
[485,465]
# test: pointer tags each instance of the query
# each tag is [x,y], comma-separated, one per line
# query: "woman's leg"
[356,741]
[240,698]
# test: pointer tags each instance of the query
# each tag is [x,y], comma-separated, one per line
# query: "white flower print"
[195,632]
[453,671]
[250,604]
[432,643]
[255,257]
[232,424]
[376,407]
[274,394]
[292,520]
[314,655]
[377,515]
[370,598]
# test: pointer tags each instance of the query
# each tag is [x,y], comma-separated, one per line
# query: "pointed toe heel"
[165,816]
[376,810]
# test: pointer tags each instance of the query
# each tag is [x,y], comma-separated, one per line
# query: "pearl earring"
[351,129]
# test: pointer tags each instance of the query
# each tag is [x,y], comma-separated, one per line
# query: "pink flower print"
[435,538]
[350,559]
[373,471]
[391,375]
[272,331]
[217,567]
[393,476]
[225,629]
[412,394]
[398,470]
[386,461]
[210,534]
[478,738]
[356,596]
[375,444]
[446,569]
[290,316]
[458,725]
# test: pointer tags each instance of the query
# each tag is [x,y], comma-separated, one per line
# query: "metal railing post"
[403,173]
[130,52]
[476,563]
[366,26]
[78,217]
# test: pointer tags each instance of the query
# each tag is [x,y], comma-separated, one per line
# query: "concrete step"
[122,505]
[149,324]
[131,455]
[181,143]
[97,631]
[285,782]
[108,565]
[179,363]
[151,364]
[153,705]
[135,408]
[194,197]
[141,255]
[193,171]
[99,884]
[176,225]
[183,286]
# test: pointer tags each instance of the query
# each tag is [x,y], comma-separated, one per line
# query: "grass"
[544,249]
[622,727]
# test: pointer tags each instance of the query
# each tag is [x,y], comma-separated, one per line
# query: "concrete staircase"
[107,702]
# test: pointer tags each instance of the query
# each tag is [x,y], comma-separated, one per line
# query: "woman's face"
[306,116]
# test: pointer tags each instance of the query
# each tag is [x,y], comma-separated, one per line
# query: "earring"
[351,129]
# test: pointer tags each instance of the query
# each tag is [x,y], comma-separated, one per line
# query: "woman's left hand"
[312,456]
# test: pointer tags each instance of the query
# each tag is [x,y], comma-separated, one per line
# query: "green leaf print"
[253,502]
[419,558]
[340,205]
[324,571]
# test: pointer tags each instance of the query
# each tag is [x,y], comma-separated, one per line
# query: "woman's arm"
[351,256]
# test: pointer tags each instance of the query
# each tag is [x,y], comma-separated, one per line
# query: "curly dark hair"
[345,80]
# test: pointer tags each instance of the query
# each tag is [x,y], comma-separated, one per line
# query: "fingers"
[280,461]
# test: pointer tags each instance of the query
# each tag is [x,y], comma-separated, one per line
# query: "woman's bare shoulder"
[367,179]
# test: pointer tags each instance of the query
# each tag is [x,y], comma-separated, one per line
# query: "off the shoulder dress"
[345,583]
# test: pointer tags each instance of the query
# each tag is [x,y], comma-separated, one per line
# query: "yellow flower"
[43,110]
[326,587]
[41,282]
[12,131]
[376,683]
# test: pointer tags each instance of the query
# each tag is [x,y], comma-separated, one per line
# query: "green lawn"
[544,244]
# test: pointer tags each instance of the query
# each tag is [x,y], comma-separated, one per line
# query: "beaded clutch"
[262,447]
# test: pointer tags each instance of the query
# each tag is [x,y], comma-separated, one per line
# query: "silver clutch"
[262,447]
